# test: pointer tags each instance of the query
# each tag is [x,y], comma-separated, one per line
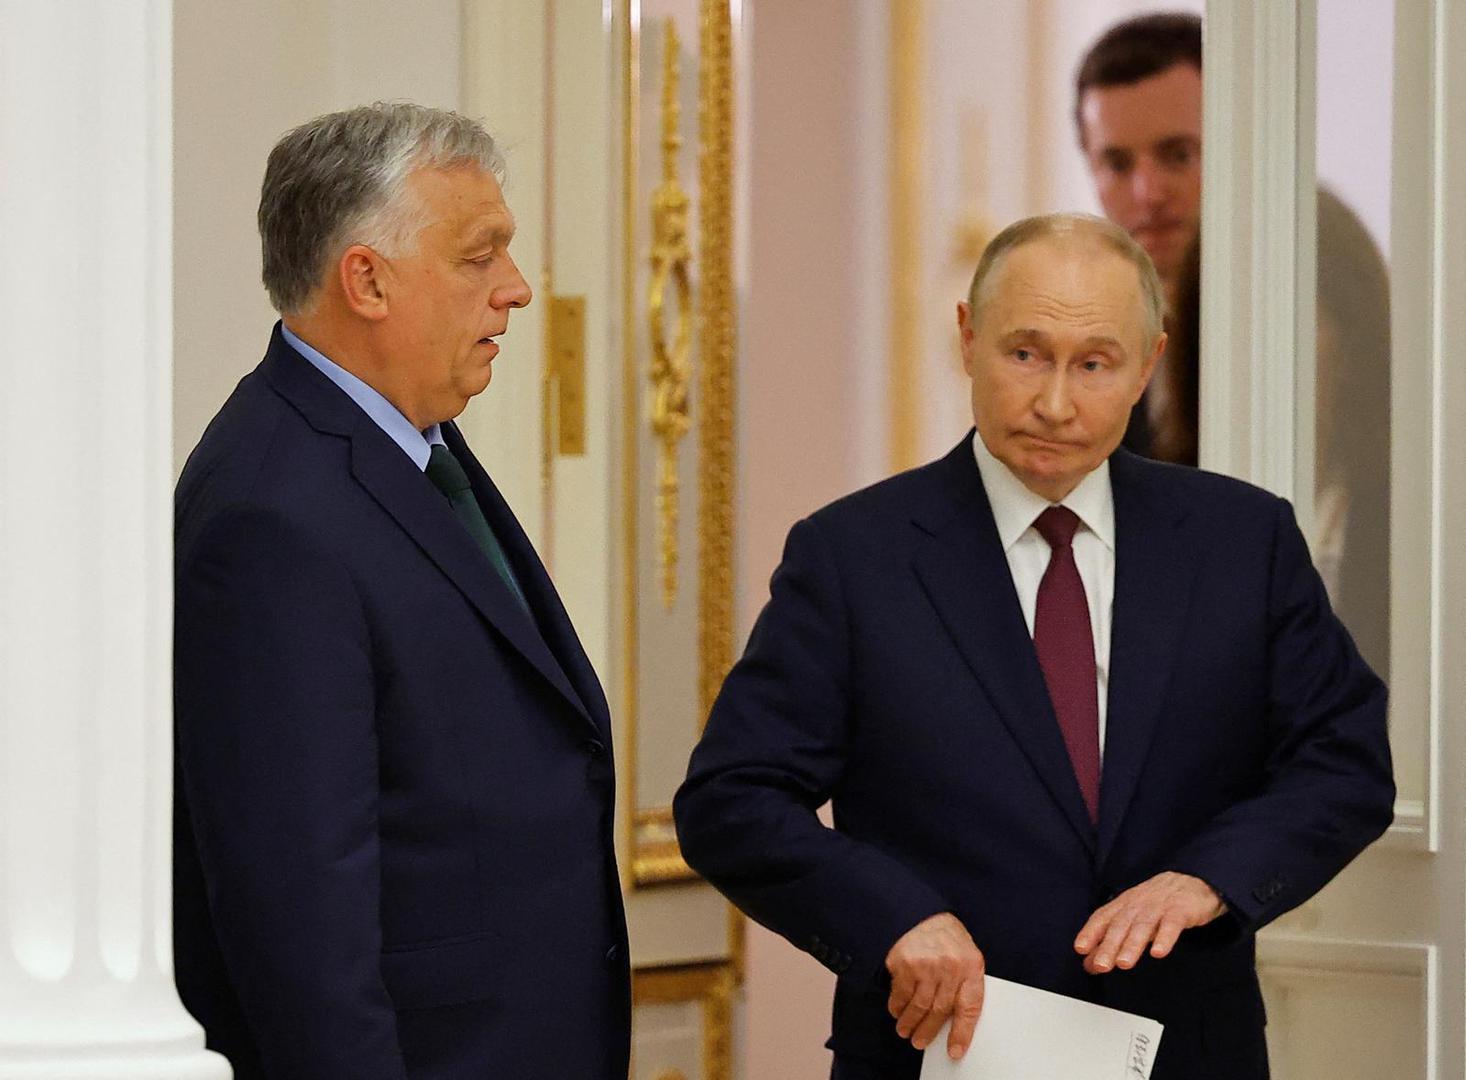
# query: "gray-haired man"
[394,810]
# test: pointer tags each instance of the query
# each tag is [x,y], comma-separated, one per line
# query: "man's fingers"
[926,1030]
[917,1009]
[1103,957]
[967,1009]
[1154,914]
[1093,931]
[1141,932]
[928,965]
[902,987]
[1166,936]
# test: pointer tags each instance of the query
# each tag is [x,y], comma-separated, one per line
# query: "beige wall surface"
[243,75]
[812,351]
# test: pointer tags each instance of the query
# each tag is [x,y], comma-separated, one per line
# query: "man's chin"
[479,382]
[1166,250]
[1050,473]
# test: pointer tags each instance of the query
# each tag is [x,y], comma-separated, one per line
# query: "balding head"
[1076,229]
[1060,336]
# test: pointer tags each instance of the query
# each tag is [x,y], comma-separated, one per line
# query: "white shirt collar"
[1015,507]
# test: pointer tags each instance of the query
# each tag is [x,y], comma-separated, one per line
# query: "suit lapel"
[390,477]
[544,600]
[1153,579]
[966,577]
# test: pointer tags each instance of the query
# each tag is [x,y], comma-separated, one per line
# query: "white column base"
[86,971]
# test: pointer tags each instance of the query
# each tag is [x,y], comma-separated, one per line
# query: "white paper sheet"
[1028,1034]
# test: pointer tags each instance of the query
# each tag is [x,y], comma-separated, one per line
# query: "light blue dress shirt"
[415,444]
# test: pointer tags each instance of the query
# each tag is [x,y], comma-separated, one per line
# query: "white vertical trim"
[1251,185]
[1417,344]
[1448,507]
[86,985]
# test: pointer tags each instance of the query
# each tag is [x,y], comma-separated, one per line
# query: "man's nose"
[1148,183]
[516,292]
[1055,401]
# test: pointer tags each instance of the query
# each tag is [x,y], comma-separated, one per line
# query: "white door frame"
[1400,911]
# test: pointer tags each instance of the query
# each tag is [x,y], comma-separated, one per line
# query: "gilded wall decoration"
[670,369]
[709,988]
[678,441]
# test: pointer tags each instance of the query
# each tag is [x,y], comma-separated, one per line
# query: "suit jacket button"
[613,955]
[594,747]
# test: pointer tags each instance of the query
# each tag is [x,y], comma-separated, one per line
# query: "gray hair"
[341,179]
[1101,230]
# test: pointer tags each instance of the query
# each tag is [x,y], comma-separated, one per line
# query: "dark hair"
[1137,49]
[1176,437]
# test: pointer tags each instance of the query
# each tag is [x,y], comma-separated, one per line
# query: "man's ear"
[364,276]
[966,332]
[1151,361]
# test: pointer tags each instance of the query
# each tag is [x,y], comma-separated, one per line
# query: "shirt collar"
[1015,507]
[414,443]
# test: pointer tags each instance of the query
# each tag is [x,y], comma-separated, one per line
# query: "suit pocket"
[443,973]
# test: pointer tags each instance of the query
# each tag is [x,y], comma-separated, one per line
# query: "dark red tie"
[1065,644]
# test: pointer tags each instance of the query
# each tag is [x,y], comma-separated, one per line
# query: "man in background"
[1137,110]
[393,830]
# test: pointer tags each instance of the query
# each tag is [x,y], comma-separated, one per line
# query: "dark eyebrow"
[1177,142]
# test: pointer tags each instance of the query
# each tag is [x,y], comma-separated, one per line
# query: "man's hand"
[1152,913]
[936,972]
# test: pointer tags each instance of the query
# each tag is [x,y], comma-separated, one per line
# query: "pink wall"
[806,423]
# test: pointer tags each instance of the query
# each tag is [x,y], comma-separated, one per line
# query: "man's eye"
[1023,356]
[1177,155]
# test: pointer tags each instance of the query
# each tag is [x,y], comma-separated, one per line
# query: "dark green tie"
[448,477]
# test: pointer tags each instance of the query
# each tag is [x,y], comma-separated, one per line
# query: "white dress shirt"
[1015,509]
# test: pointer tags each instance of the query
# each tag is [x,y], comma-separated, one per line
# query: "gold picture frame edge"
[713,985]
[660,862]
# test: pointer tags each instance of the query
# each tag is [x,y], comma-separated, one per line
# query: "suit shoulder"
[1201,489]
[257,454]
[890,500]
[1227,516]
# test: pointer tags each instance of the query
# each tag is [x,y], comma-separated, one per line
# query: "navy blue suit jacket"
[892,674]
[393,824]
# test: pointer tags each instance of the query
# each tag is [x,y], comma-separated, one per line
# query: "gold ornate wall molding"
[670,370]
[710,986]
[719,340]
[693,359]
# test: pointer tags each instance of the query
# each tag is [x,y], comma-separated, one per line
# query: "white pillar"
[86,987]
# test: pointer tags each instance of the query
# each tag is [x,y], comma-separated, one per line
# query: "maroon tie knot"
[1057,525]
